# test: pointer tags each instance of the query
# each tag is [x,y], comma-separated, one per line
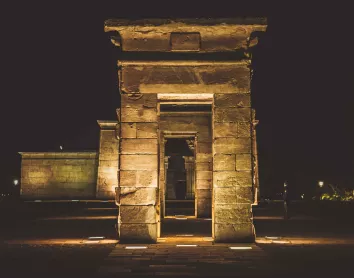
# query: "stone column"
[138,186]
[107,178]
[232,177]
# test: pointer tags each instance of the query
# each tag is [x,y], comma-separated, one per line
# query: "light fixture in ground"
[96,237]
[240,247]
[272,237]
[280,241]
[135,247]
[185,235]
[181,218]
[186,245]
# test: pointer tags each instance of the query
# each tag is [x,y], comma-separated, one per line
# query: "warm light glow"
[135,247]
[208,219]
[178,218]
[240,248]
[320,183]
[91,241]
[114,188]
[184,235]
[38,200]
[186,245]
[280,241]
[15,181]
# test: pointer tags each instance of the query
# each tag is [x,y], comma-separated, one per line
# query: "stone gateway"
[184,139]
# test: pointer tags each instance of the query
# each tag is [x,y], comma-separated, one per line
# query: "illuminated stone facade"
[189,79]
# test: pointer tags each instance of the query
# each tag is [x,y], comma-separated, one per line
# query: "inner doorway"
[180,176]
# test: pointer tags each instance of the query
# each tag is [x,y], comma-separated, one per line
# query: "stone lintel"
[185,35]
[111,125]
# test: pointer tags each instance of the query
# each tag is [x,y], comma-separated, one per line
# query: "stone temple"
[184,136]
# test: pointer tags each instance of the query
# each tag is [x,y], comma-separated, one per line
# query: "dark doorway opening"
[180,177]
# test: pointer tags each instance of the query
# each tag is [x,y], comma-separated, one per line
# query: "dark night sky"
[59,77]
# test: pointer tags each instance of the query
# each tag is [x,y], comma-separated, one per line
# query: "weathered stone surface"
[204,166]
[138,162]
[147,130]
[225,130]
[138,178]
[139,115]
[185,41]
[243,162]
[137,214]
[204,208]
[138,101]
[204,175]
[203,184]
[137,232]
[232,213]
[156,34]
[232,178]
[238,233]
[66,175]
[232,100]
[244,195]
[138,146]
[128,130]
[224,162]
[230,114]
[244,129]
[203,193]
[204,157]
[137,196]
[232,145]
[204,147]
[184,77]
[225,195]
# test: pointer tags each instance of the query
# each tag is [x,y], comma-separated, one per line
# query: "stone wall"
[232,178]
[61,175]
[107,178]
[137,192]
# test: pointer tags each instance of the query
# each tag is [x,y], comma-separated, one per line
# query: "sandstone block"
[142,196]
[225,195]
[204,147]
[243,162]
[232,213]
[138,100]
[203,193]
[144,233]
[244,195]
[232,100]
[138,115]
[137,214]
[138,146]
[204,166]
[244,130]
[231,114]
[138,178]
[146,130]
[232,178]
[138,162]
[225,130]
[204,175]
[232,145]
[203,184]
[238,233]
[224,162]
[128,130]
[204,157]
[204,208]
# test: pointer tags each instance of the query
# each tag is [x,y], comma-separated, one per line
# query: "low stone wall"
[61,175]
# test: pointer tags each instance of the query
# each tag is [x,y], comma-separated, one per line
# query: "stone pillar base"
[137,233]
[235,233]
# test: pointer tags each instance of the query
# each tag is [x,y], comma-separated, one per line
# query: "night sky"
[59,77]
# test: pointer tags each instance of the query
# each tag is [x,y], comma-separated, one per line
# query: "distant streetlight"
[61,148]
[15,182]
[320,183]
